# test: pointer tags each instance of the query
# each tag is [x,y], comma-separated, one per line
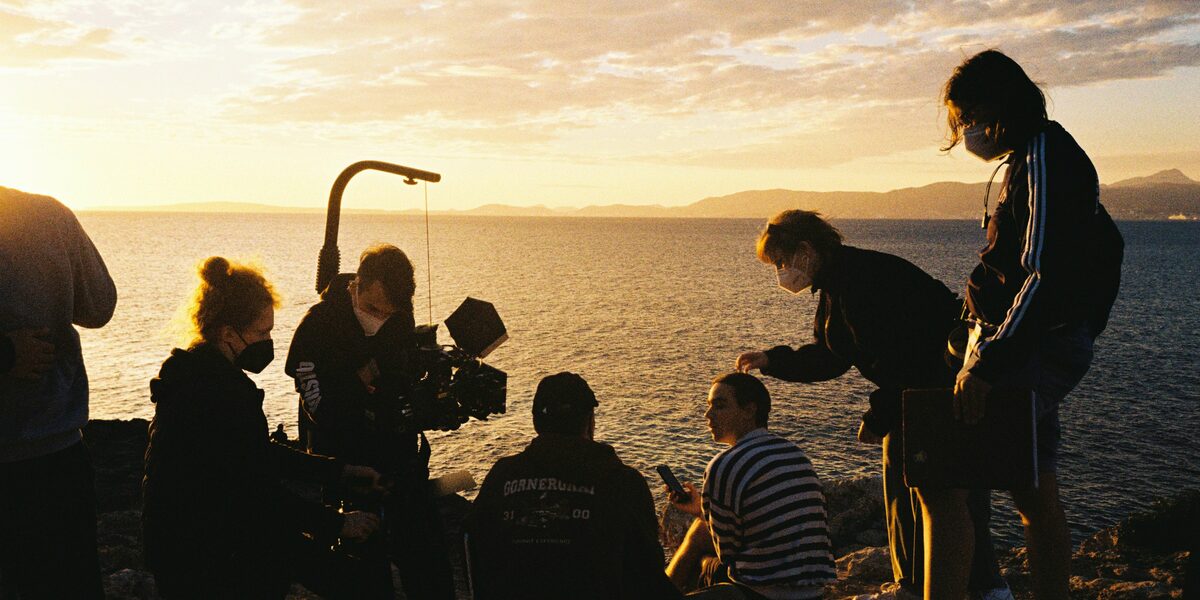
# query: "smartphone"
[669,478]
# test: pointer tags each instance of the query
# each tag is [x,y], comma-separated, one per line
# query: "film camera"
[428,386]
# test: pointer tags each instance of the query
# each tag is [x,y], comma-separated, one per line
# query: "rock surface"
[1144,556]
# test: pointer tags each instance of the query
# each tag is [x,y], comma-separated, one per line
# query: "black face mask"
[255,357]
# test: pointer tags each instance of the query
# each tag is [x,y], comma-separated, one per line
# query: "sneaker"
[891,591]
[1000,593]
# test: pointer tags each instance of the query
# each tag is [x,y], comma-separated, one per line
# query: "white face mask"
[793,279]
[979,143]
[370,323]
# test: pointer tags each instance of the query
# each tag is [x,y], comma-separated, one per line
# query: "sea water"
[648,311]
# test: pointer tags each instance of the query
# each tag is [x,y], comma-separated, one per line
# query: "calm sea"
[649,311]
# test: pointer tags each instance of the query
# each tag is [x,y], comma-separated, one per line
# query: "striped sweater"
[764,507]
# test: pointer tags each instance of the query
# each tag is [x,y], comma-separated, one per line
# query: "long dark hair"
[993,90]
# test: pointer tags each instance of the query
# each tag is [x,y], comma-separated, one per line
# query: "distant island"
[1166,195]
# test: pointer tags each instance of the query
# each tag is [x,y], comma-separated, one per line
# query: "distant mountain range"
[1164,195]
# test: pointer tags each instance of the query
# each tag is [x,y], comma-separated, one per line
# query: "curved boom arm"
[330,257]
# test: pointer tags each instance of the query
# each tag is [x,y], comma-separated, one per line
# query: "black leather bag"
[999,452]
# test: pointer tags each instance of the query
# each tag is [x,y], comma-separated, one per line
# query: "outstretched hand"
[970,397]
[749,361]
[688,502]
[33,356]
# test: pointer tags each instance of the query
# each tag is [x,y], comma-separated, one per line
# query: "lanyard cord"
[428,260]
[987,191]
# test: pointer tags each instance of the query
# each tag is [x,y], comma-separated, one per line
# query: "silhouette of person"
[54,279]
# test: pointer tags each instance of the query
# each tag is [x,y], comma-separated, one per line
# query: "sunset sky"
[131,102]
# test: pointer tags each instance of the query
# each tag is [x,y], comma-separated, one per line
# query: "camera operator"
[352,351]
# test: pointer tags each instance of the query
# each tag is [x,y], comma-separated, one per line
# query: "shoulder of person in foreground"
[42,229]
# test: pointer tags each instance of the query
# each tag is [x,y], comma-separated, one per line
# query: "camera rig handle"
[329,259]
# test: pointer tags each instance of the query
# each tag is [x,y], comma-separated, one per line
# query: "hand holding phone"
[669,478]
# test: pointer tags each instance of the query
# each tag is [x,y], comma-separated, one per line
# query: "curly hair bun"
[215,270]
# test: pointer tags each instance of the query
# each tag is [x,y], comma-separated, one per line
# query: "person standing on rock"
[1041,293]
[52,279]
[217,520]
[889,319]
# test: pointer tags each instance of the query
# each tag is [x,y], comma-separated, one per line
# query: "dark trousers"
[417,544]
[902,511]
[48,527]
[412,537]
[266,573]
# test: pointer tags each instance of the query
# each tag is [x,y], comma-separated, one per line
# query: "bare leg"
[1047,538]
[949,543]
[685,568]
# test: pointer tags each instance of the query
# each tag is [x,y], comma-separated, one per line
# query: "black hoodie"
[566,519]
[327,351]
[212,493]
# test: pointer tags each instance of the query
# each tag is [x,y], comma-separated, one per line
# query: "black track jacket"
[1053,255]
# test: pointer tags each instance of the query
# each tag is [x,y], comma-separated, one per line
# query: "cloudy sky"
[563,103]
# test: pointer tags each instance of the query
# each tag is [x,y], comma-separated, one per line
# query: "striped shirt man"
[766,514]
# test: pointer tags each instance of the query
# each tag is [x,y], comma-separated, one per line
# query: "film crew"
[354,351]
[1041,293]
[565,518]
[53,279]
[760,529]
[889,319]
[217,521]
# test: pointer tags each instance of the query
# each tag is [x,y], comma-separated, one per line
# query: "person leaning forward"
[565,518]
[889,319]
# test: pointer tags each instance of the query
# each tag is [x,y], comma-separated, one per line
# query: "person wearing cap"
[565,518]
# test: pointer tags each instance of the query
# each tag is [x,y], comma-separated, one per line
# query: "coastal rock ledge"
[1144,556]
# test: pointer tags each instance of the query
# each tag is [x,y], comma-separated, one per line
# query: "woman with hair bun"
[217,522]
[889,319]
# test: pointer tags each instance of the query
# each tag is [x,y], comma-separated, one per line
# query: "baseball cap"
[563,393]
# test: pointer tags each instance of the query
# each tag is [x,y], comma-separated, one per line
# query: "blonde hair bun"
[215,270]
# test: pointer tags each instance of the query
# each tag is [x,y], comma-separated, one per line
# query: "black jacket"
[565,518]
[8,354]
[327,351]
[212,494]
[883,315]
[1053,256]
